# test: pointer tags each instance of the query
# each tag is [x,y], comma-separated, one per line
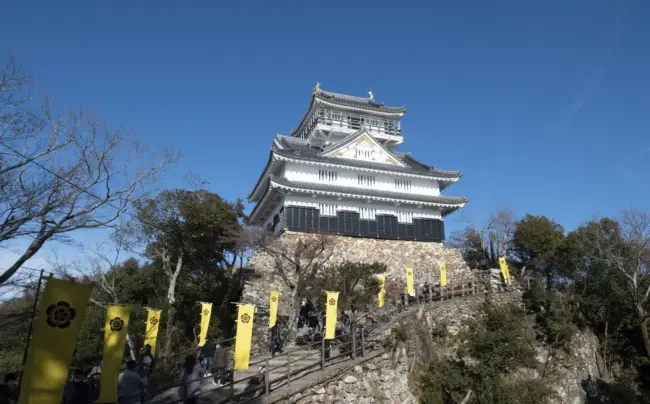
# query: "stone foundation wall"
[425,259]
[397,255]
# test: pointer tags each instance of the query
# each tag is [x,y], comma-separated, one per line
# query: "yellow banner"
[61,314]
[504,269]
[331,314]
[382,291]
[443,274]
[206,315]
[244,336]
[117,324]
[151,335]
[273,308]
[410,288]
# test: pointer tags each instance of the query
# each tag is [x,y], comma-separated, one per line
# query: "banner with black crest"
[244,335]
[151,333]
[115,329]
[61,314]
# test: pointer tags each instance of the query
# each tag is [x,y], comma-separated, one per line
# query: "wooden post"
[363,343]
[232,384]
[267,381]
[288,368]
[430,292]
[354,342]
[406,300]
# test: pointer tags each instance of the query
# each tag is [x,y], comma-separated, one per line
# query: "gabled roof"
[296,148]
[362,133]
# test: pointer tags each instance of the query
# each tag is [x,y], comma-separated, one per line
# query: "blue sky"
[543,105]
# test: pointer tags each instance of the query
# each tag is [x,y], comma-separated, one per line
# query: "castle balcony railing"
[352,122]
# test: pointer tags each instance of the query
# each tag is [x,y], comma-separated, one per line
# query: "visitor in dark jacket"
[76,390]
[190,381]
[207,353]
[130,386]
[220,362]
[276,340]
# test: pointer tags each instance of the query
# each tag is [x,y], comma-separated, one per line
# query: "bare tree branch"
[62,173]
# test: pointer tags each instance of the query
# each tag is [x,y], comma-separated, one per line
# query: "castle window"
[326,175]
[402,184]
[327,209]
[363,154]
[366,180]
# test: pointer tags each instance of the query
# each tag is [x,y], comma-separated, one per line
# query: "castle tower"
[339,173]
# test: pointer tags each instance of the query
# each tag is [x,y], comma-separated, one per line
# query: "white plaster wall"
[405,214]
[349,178]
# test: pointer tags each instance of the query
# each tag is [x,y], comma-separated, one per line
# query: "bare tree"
[627,249]
[62,173]
[297,259]
[488,241]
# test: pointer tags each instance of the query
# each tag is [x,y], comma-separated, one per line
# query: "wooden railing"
[362,340]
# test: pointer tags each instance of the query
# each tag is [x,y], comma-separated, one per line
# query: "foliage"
[554,317]
[536,242]
[191,236]
[492,347]
[356,283]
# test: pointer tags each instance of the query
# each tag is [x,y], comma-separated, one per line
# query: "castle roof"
[354,101]
[298,149]
[347,102]
[447,204]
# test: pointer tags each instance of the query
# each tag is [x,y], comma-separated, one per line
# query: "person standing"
[276,340]
[207,353]
[190,381]
[220,362]
[76,390]
[130,386]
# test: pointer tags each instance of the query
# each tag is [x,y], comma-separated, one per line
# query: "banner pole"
[31,328]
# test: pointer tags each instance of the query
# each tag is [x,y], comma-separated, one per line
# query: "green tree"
[192,236]
[536,243]
[491,348]
[356,283]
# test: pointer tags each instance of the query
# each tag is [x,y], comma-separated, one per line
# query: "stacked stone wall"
[425,259]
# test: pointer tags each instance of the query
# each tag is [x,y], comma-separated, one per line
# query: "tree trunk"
[169,330]
[171,299]
[294,313]
[644,328]
[549,279]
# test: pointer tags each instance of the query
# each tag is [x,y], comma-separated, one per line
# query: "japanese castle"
[339,173]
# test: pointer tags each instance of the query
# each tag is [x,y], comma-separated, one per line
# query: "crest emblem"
[153,321]
[206,312]
[332,302]
[245,318]
[116,324]
[60,315]
[274,299]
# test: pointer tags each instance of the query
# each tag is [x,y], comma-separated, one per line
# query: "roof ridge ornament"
[371,96]
[317,88]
